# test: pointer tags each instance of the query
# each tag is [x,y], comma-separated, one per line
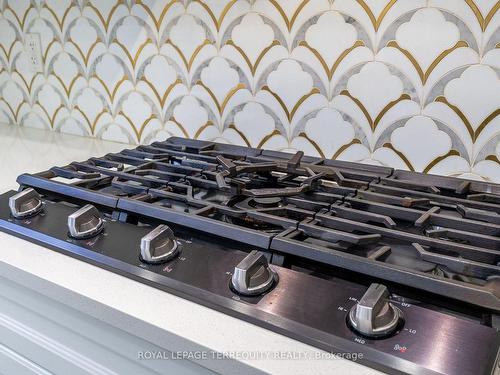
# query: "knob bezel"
[388,330]
[241,275]
[374,316]
[26,195]
[74,223]
[162,231]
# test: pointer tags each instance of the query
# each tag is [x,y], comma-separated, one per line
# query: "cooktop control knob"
[374,315]
[253,275]
[85,223]
[26,203]
[159,245]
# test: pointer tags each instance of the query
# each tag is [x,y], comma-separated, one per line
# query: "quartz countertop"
[165,320]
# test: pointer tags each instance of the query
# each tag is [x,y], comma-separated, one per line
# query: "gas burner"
[266,202]
[267,180]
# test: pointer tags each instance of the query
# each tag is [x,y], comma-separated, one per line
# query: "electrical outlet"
[33,48]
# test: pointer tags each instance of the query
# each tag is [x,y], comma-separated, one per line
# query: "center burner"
[265,202]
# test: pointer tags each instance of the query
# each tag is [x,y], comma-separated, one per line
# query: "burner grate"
[438,234]
[461,271]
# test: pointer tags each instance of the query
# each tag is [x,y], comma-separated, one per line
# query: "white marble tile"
[141,71]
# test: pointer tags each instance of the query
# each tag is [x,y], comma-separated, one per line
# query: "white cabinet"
[41,336]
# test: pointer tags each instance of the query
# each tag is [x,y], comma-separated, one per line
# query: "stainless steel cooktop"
[400,266]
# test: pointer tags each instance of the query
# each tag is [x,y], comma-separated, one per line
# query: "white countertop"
[161,318]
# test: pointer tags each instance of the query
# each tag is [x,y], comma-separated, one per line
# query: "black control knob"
[159,245]
[374,315]
[25,204]
[253,275]
[85,223]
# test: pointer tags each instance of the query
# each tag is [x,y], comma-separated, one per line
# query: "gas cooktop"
[401,266]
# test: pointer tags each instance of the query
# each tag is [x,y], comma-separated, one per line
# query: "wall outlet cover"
[33,48]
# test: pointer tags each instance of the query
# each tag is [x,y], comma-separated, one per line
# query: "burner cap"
[267,201]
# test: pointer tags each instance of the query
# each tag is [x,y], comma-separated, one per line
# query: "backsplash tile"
[411,84]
